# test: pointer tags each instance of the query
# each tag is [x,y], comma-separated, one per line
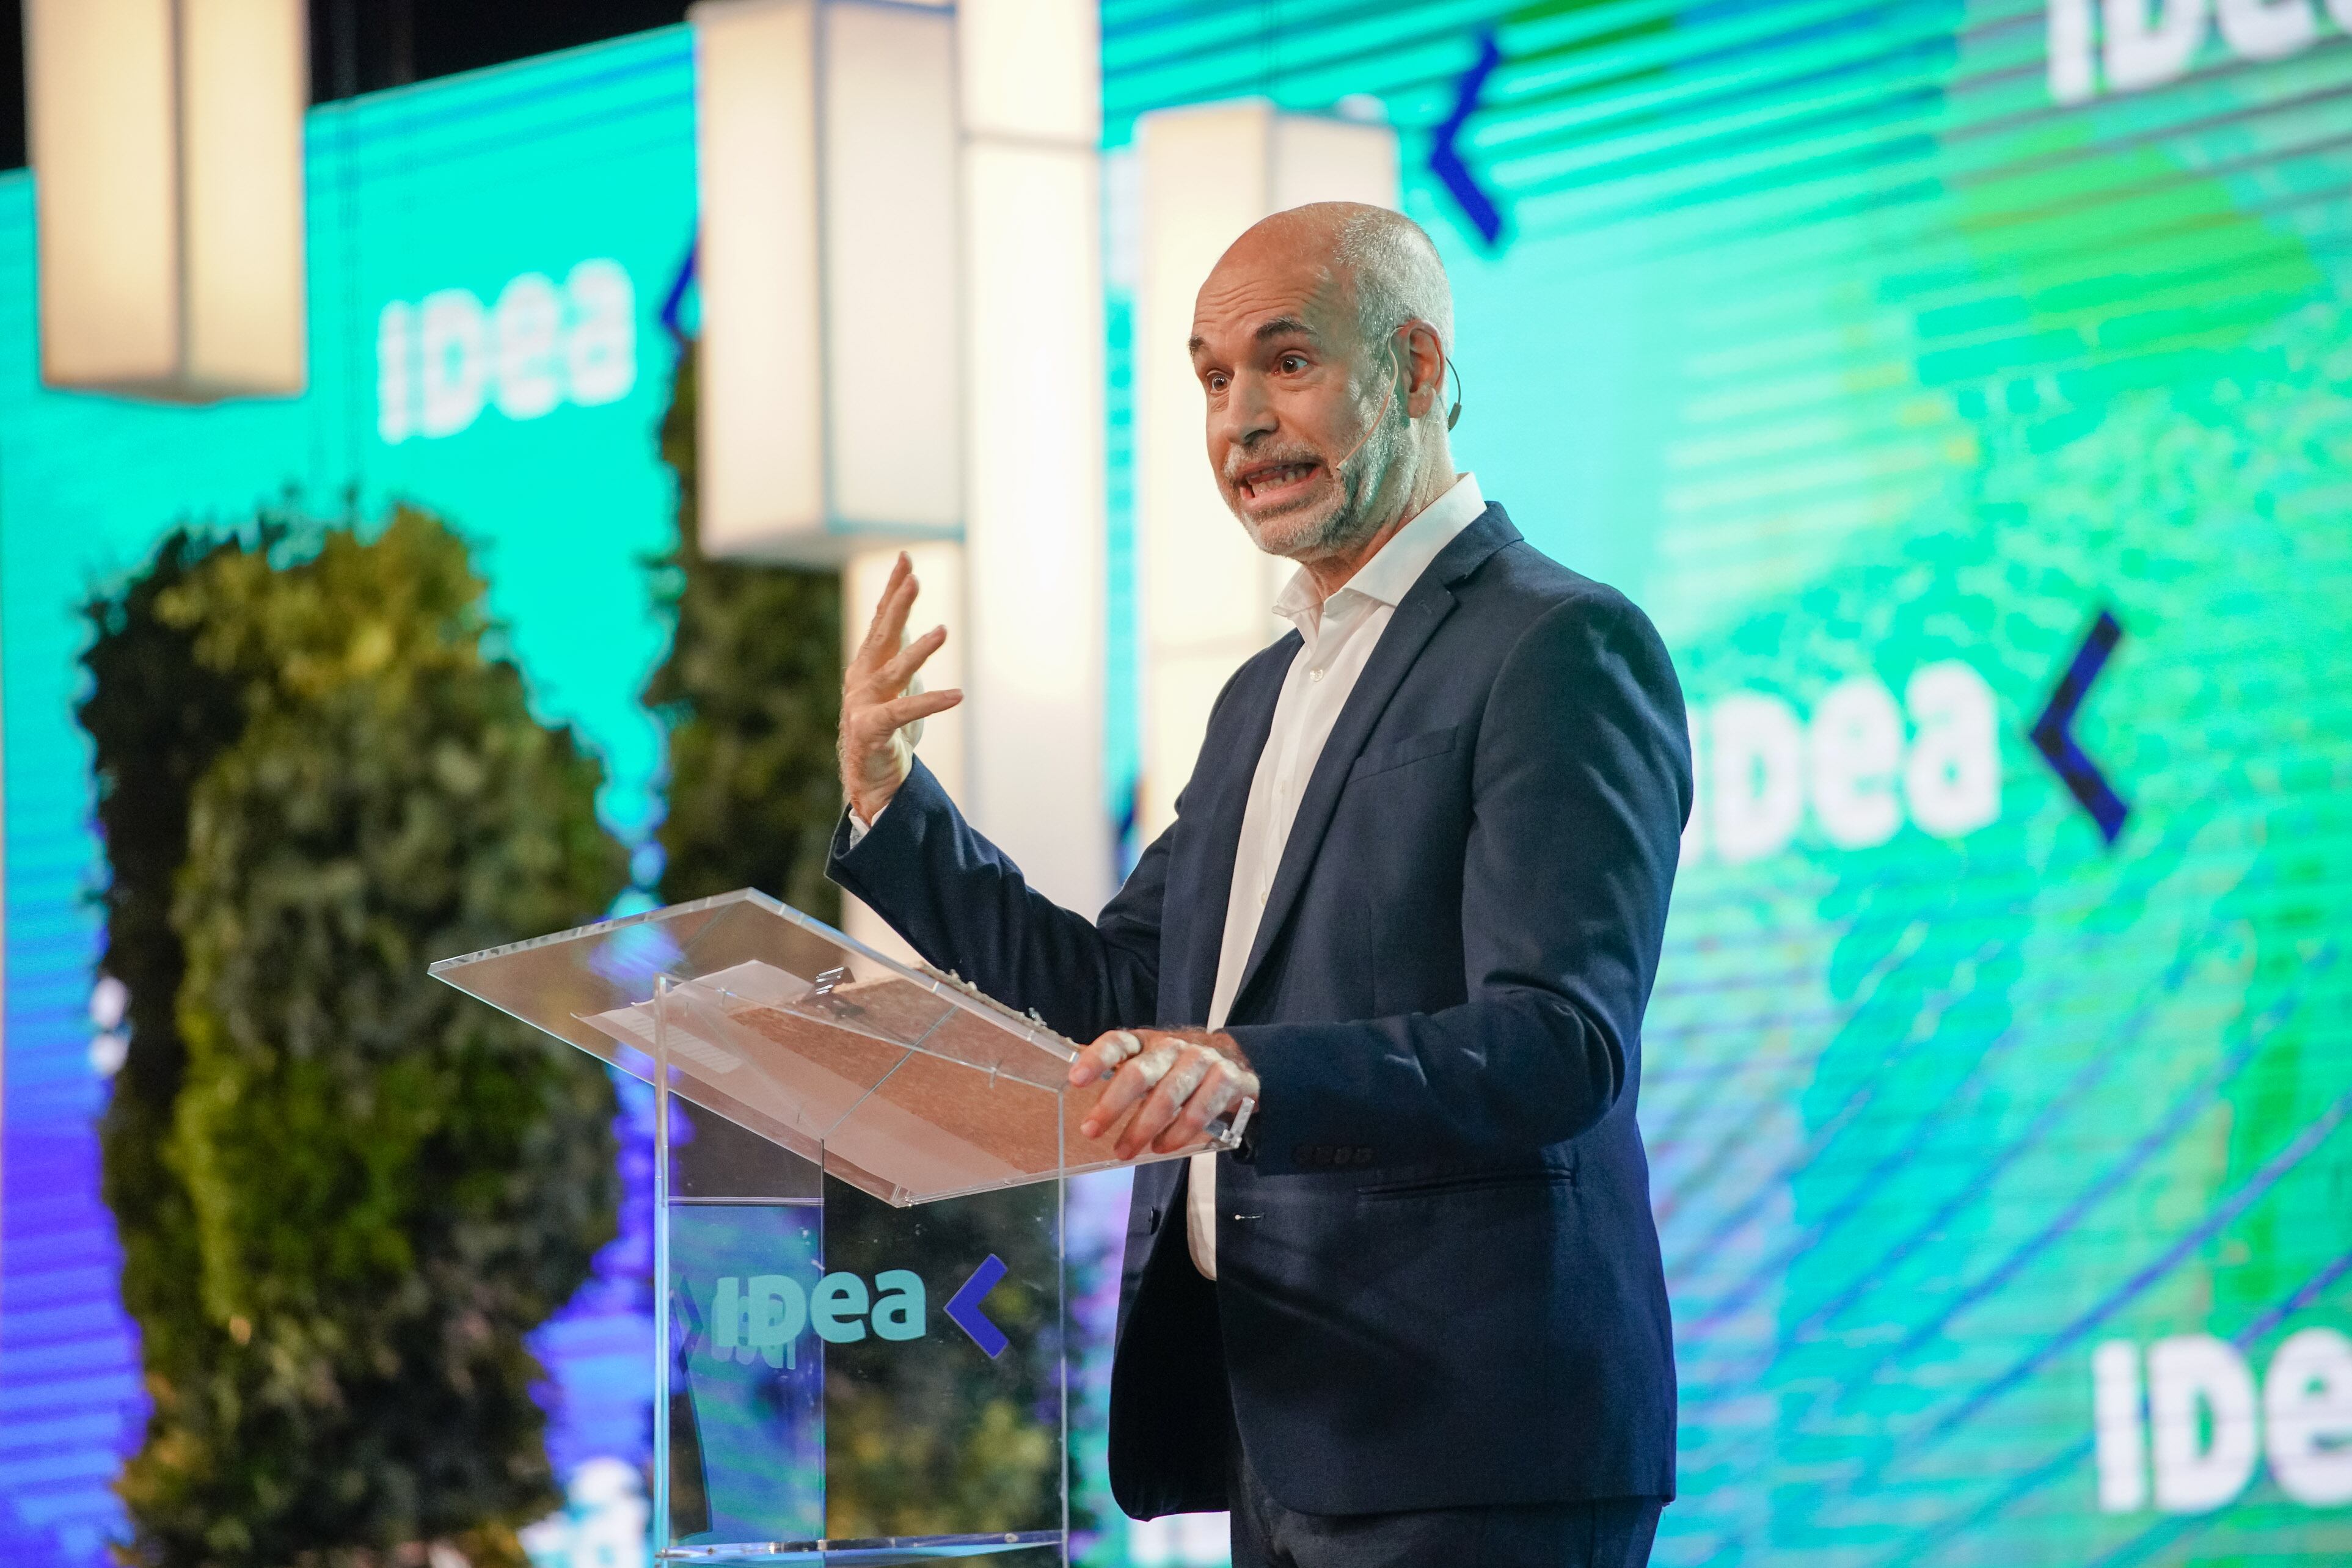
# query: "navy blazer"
[1438,1279]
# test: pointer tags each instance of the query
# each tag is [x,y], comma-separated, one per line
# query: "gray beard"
[1348,523]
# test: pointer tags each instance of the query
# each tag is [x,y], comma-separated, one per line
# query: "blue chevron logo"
[963,1307]
[2053,731]
[1445,159]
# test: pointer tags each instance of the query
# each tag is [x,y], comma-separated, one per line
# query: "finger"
[894,674]
[871,726]
[1144,1128]
[899,570]
[1094,1060]
[1190,1126]
[889,623]
[903,711]
[1132,1082]
[1127,1087]
[899,604]
[1165,1100]
[1103,1056]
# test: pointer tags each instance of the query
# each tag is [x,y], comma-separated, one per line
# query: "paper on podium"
[905,1082]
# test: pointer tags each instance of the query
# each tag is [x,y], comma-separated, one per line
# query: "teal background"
[1824,331]
[464,184]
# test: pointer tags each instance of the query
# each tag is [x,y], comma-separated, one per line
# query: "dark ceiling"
[359,46]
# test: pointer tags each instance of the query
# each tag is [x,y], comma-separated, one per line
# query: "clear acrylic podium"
[859,1325]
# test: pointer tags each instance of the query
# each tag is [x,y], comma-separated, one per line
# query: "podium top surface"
[906,1082]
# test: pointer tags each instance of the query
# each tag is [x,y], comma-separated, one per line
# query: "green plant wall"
[347,1193]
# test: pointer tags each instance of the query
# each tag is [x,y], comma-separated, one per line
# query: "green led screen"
[1878,351]
[488,258]
[1900,359]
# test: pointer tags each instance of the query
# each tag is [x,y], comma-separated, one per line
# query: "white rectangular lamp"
[831,373]
[890,193]
[1032,90]
[166,140]
[1205,174]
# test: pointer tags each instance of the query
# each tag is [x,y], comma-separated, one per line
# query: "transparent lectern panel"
[860,1342]
[746,1454]
[949,1419]
[847,1380]
[906,1083]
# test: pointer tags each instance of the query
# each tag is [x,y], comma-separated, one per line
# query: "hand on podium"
[1178,1081]
[876,752]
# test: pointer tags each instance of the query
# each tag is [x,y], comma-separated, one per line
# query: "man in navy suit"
[1411,907]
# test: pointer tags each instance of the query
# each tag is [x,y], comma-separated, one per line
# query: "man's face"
[1293,394]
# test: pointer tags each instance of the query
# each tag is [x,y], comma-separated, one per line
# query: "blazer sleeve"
[1580,786]
[963,904]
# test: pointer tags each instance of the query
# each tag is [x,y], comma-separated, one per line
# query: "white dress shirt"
[1339,635]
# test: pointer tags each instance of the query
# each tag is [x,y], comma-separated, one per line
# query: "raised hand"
[876,753]
[1180,1082]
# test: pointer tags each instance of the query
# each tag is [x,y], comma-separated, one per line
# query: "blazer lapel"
[1418,615]
[1231,749]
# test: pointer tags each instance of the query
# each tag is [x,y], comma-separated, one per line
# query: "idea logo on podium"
[764,1316]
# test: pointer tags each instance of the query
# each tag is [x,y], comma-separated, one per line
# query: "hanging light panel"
[1036,487]
[831,356]
[166,140]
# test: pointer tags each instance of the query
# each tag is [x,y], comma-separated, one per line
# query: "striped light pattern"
[1875,349]
[582,163]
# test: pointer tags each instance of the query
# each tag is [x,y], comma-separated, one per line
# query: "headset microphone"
[1379,419]
[1453,415]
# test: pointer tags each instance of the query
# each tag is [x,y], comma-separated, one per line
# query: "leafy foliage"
[157,719]
[751,696]
[370,1189]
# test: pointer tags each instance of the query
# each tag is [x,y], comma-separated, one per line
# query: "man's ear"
[1425,367]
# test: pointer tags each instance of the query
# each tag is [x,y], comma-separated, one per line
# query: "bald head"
[1388,263]
[1381,261]
[1321,338]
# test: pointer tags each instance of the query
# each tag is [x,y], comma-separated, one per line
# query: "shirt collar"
[1397,565]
